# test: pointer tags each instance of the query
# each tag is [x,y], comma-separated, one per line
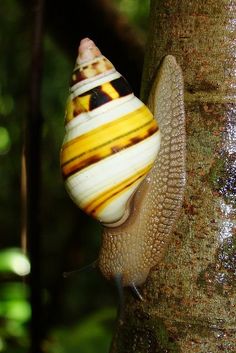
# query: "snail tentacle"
[136,292]
[90,266]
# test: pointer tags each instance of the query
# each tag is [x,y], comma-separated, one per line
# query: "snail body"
[111,139]
[112,143]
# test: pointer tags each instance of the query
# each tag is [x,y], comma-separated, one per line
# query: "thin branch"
[32,151]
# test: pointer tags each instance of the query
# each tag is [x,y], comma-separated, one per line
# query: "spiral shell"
[111,138]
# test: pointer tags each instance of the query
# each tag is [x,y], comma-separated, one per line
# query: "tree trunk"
[189,300]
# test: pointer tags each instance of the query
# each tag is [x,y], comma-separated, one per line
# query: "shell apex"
[87,51]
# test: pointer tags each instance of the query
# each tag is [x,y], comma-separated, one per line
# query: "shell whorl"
[111,139]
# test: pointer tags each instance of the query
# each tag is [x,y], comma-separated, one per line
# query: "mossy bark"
[190,299]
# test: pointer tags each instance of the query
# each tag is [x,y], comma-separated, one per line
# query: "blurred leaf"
[14,291]
[5,140]
[6,104]
[92,334]
[14,303]
[15,261]
[137,12]
[17,310]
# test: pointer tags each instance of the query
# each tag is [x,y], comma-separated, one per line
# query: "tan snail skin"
[122,164]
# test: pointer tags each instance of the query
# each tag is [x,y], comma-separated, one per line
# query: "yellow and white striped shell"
[111,139]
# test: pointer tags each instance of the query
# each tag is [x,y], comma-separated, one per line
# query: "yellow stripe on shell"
[98,204]
[69,115]
[74,108]
[110,90]
[107,139]
[101,151]
[83,102]
[127,122]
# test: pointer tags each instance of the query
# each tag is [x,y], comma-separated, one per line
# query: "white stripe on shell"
[88,84]
[87,116]
[115,209]
[114,110]
[111,171]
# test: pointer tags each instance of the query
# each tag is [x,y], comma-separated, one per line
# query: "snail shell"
[111,139]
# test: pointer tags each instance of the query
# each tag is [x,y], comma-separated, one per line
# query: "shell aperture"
[111,139]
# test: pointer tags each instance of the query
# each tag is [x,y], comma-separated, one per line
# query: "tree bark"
[190,299]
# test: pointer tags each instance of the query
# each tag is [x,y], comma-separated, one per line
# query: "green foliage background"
[79,311]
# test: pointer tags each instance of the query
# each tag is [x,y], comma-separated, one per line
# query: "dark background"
[77,313]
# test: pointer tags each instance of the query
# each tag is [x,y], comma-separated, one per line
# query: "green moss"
[142,335]
[166,342]
[215,173]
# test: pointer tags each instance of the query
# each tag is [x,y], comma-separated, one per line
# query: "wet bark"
[190,299]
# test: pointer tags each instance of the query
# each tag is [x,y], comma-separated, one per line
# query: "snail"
[119,167]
